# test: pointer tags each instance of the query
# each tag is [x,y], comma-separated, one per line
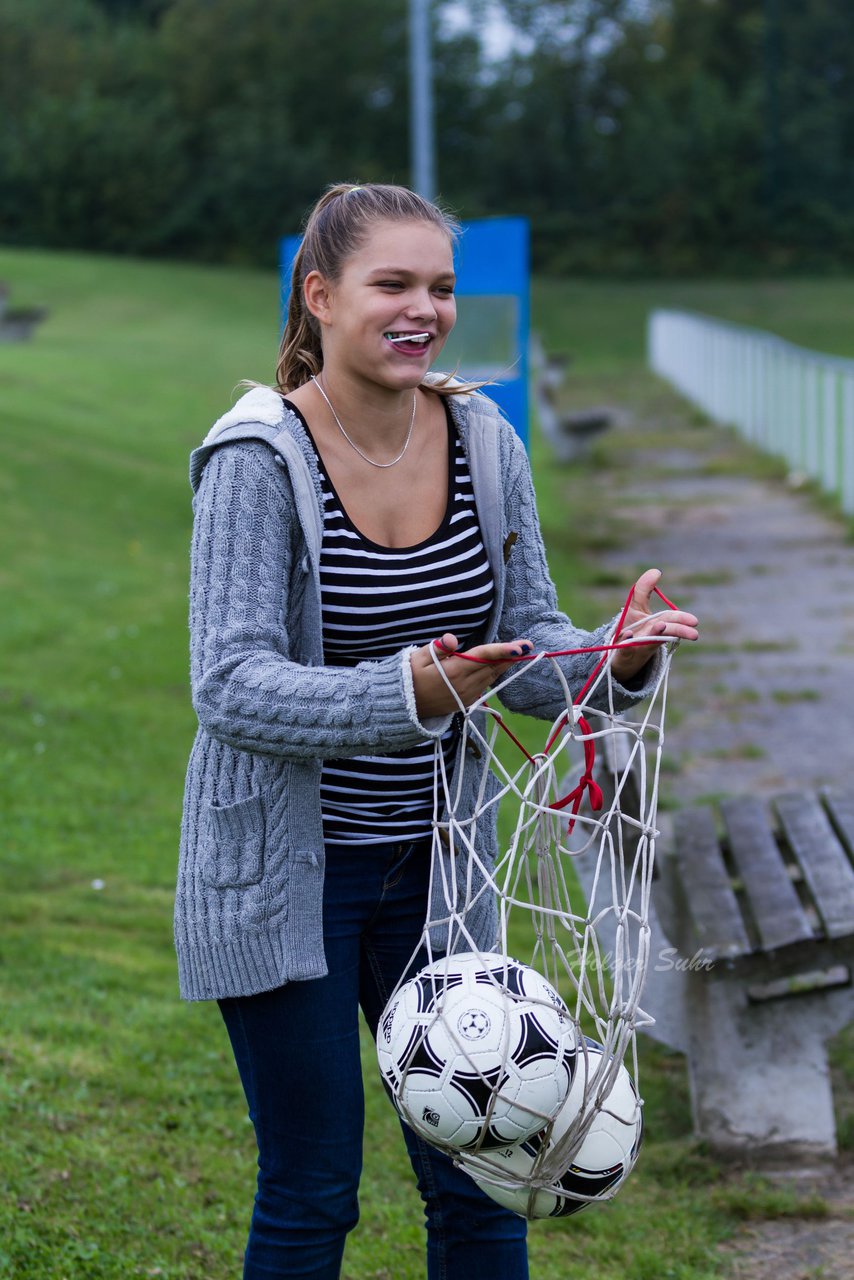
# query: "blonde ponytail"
[300,352]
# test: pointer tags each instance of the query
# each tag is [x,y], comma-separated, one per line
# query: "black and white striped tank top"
[375,601]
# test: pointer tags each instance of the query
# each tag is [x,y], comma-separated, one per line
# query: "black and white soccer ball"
[477,1051]
[595,1171]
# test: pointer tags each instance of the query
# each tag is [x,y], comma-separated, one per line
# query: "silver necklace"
[352,443]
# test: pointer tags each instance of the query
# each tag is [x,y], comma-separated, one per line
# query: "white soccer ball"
[476,1051]
[602,1162]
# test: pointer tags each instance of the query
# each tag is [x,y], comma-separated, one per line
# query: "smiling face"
[388,314]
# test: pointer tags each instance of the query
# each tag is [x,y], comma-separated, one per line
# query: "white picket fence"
[789,401]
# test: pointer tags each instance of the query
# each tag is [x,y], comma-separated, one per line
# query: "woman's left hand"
[641,621]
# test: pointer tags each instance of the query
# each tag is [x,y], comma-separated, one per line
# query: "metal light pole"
[421,133]
[773,146]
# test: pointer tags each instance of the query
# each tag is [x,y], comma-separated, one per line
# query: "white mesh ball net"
[572,883]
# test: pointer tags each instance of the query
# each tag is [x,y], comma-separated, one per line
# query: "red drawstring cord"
[586,782]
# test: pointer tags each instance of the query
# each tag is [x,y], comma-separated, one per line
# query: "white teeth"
[408,337]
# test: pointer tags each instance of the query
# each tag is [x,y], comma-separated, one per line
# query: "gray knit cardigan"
[248,908]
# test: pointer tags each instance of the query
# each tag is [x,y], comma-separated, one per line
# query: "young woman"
[344,521]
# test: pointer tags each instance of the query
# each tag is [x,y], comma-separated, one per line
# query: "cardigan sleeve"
[531,611]
[249,575]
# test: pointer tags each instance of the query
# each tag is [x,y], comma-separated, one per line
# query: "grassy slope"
[126,1151]
[117,1096]
[602,324]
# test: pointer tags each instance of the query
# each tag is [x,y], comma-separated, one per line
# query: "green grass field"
[126,1151]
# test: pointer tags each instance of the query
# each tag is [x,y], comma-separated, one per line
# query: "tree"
[636,134]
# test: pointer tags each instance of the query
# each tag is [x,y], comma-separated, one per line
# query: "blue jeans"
[297,1050]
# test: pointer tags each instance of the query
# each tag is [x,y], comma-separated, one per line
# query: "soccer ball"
[604,1159]
[476,1051]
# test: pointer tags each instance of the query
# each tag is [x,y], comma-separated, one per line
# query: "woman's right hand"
[470,680]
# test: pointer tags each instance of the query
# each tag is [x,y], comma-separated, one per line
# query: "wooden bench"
[752,951]
[570,435]
[16,325]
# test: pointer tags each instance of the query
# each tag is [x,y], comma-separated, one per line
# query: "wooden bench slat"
[774,903]
[827,870]
[841,808]
[709,894]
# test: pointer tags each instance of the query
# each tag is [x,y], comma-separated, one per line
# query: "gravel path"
[764,704]
[801,1248]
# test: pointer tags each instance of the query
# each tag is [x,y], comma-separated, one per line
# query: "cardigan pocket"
[233,843]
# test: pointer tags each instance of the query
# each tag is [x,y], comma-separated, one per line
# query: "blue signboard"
[490,340]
